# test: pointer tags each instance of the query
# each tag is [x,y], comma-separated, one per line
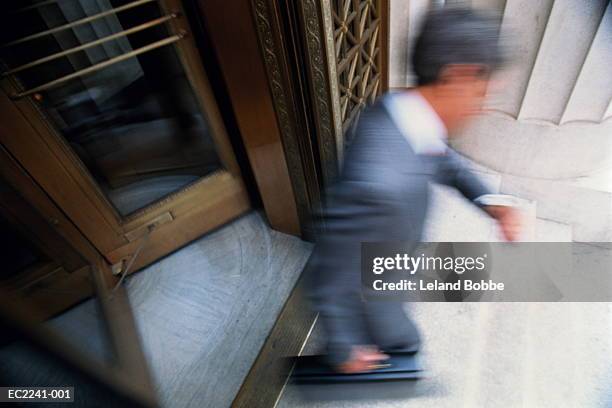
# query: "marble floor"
[205,311]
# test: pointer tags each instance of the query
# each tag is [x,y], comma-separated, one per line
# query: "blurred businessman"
[399,147]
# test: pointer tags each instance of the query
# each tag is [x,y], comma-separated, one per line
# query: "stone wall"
[548,134]
[553,119]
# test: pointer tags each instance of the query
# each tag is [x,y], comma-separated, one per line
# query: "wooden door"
[48,267]
[106,104]
[38,265]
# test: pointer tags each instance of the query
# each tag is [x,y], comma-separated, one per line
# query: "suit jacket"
[381,195]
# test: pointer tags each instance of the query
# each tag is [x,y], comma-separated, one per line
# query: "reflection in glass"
[136,125]
[16,253]
[41,276]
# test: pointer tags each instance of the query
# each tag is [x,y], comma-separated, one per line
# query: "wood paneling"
[232,31]
[62,279]
[285,81]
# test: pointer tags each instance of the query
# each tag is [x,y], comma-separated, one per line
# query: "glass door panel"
[38,265]
[117,121]
[17,253]
[134,124]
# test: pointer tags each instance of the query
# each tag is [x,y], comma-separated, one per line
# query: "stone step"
[590,97]
[525,21]
[551,84]
[598,181]
[588,211]
[583,206]
[452,218]
[552,231]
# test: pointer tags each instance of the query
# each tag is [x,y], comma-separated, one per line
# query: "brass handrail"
[82,47]
[99,66]
[78,22]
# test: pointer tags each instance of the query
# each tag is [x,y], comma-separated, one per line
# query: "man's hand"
[509,218]
[362,358]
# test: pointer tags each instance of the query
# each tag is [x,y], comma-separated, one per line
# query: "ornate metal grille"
[342,54]
[358,53]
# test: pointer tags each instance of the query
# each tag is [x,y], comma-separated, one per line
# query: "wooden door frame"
[61,278]
[201,206]
[47,221]
[95,278]
[292,128]
[128,379]
[233,37]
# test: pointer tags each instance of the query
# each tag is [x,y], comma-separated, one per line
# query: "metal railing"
[96,67]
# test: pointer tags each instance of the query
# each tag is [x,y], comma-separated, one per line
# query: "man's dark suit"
[382,195]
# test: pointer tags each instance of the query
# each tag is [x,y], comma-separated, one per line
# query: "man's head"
[453,58]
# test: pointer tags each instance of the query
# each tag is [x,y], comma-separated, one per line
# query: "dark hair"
[454,35]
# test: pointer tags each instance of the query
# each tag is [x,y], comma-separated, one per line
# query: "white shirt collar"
[417,121]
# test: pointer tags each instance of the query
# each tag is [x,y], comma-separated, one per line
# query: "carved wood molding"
[304,55]
[328,27]
[302,175]
[322,81]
